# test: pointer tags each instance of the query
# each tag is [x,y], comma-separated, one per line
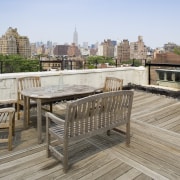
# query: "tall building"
[75,37]
[12,43]
[138,50]
[108,48]
[123,51]
[85,45]
[49,44]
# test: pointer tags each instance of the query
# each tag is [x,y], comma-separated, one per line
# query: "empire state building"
[75,37]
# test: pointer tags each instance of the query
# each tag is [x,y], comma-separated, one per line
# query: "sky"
[95,20]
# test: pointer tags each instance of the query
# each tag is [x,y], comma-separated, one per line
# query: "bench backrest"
[89,115]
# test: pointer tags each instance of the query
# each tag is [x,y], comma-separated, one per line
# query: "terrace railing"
[11,66]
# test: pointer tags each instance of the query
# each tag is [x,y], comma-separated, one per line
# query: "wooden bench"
[87,117]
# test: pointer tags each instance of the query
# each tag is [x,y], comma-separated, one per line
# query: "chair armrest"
[52,117]
[9,101]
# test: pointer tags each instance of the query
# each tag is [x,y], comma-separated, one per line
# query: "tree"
[94,60]
[16,63]
[177,50]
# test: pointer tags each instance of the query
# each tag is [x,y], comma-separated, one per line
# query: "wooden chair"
[7,121]
[24,83]
[112,84]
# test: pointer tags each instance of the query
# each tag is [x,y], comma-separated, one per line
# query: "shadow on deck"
[154,152]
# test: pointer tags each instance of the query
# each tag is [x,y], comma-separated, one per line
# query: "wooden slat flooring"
[154,152]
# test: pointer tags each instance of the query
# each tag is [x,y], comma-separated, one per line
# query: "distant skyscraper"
[75,37]
[85,45]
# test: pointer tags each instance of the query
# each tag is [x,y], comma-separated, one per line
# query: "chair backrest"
[27,82]
[112,84]
[93,113]
[6,117]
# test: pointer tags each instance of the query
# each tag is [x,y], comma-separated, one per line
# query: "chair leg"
[28,111]
[10,139]
[13,126]
[18,111]
[50,107]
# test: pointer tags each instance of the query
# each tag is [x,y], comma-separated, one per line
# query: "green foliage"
[16,63]
[92,61]
[177,50]
[127,62]
[136,62]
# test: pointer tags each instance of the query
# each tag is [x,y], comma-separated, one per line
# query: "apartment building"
[12,43]
[106,49]
[138,50]
[123,51]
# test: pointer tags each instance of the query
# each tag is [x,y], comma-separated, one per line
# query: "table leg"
[39,121]
[25,112]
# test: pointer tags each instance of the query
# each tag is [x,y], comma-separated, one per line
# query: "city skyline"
[156,21]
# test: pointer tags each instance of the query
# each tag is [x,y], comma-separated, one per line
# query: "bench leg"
[47,138]
[48,153]
[65,158]
[108,132]
[128,134]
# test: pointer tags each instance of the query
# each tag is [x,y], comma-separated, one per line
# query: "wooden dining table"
[43,95]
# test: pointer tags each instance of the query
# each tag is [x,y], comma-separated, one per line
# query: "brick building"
[73,51]
[61,50]
[168,57]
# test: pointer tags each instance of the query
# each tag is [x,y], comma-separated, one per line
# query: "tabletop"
[56,91]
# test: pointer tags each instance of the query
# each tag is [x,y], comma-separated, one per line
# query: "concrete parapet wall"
[94,77]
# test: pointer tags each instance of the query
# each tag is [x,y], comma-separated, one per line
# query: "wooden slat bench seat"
[87,117]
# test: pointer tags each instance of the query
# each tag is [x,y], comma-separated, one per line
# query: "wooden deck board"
[154,152]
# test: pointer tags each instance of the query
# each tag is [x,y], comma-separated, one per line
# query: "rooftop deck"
[154,152]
